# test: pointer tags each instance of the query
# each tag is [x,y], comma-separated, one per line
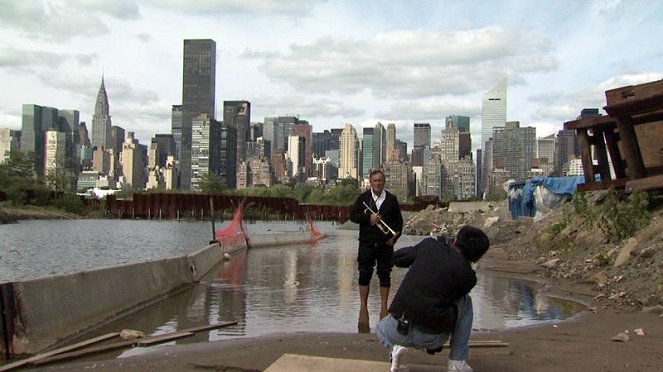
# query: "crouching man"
[433,302]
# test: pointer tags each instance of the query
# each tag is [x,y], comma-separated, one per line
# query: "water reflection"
[313,289]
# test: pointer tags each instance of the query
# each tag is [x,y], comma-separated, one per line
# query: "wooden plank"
[162,338]
[591,122]
[114,346]
[593,186]
[637,107]
[635,168]
[585,155]
[647,183]
[632,93]
[61,350]
[208,327]
[611,139]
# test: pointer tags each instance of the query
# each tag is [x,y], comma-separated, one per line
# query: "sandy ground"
[582,344]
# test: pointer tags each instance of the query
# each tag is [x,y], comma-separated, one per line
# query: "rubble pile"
[623,273]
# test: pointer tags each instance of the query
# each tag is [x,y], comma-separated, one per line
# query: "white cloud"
[431,109]
[410,63]
[308,108]
[250,7]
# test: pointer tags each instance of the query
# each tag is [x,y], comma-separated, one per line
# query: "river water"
[300,288]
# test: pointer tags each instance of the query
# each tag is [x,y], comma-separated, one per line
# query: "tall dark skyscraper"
[36,121]
[198,95]
[237,114]
[422,135]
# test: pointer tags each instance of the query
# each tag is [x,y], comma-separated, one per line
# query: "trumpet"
[381,224]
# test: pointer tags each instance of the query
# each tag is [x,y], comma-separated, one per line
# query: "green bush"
[621,219]
[69,203]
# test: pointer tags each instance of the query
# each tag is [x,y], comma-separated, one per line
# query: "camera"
[403,326]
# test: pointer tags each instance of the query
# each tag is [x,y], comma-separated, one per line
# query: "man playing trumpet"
[380,224]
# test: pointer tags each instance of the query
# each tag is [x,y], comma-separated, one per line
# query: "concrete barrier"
[204,260]
[283,238]
[46,311]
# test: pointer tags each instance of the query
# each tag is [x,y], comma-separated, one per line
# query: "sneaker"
[397,353]
[458,366]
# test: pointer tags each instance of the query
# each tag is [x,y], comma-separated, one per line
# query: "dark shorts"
[370,255]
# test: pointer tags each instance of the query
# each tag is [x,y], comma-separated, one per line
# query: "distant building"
[399,180]
[431,177]
[202,158]
[101,120]
[54,160]
[198,96]
[176,129]
[573,168]
[422,135]
[87,180]
[171,173]
[256,171]
[566,149]
[391,139]
[348,153]
[367,152]
[101,160]
[36,121]
[517,146]
[10,140]
[237,114]
[493,114]
[132,163]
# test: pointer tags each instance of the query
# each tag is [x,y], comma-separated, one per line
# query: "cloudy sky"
[330,62]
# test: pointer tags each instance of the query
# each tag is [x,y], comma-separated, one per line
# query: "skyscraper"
[237,114]
[493,114]
[36,121]
[367,152]
[517,146]
[379,146]
[493,111]
[176,129]
[348,153]
[132,163]
[198,95]
[462,123]
[421,135]
[54,159]
[10,140]
[101,120]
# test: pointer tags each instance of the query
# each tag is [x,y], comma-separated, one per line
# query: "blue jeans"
[460,335]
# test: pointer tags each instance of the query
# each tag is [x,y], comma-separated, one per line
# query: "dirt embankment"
[13,214]
[609,245]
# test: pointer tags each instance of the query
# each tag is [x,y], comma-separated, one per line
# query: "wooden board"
[117,345]
[644,184]
[136,342]
[61,350]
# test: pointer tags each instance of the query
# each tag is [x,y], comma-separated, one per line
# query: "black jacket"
[439,274]
[390,211]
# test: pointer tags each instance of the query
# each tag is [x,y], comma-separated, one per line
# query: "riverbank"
[584,343]
[30,212]
[619,282]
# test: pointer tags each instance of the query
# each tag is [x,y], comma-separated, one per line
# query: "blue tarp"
[521,194]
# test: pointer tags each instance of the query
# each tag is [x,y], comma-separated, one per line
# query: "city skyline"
[331,63]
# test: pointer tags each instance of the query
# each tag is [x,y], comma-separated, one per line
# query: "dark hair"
[472,242]
[374,172]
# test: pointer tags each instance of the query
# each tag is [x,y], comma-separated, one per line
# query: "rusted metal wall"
[197,206]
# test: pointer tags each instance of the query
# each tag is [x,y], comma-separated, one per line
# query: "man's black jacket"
[439,274]
[390,211]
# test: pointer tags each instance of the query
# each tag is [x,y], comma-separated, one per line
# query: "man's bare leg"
[384,297]
[363,323]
